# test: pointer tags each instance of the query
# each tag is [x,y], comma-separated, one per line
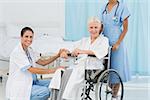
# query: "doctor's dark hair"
[26,29]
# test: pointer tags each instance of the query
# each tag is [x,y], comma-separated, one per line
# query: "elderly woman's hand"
[76,52]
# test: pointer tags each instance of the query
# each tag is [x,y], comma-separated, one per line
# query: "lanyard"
[31,61]
[28,56]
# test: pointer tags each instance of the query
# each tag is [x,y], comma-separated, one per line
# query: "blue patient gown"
[112,30]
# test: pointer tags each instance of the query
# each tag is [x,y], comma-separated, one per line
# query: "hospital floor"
[137,89]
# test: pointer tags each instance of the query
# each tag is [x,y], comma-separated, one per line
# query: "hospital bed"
[97,81]
[5,50]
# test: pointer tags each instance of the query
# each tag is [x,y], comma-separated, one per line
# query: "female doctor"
[114,15]
[22,83]
[96,44]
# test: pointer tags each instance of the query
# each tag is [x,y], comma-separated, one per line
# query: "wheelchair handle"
[90,55]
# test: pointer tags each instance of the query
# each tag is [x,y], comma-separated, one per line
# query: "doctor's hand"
[64,54]
[60,67]
[52,70]
[61,51]
[115,46]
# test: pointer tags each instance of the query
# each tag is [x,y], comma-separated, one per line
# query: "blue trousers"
[40,90]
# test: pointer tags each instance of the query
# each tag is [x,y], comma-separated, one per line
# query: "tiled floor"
[137,89]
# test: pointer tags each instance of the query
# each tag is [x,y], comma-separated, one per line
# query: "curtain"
[77,13]
[137,38]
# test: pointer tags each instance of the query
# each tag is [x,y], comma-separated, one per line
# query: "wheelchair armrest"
[91,55]
[106,57]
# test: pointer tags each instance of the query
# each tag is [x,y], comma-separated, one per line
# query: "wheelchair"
[101,81]
[97,81]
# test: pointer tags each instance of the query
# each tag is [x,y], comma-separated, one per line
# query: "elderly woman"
[96,44]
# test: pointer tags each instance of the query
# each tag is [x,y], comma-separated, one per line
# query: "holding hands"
[64,52]
[77,51]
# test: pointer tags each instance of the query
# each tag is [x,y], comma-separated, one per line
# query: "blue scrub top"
[112,30]
[113,24]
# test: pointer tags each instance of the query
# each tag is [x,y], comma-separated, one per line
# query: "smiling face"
[94,29]
[26,38]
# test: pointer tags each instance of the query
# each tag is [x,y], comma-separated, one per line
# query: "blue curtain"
[77,13]
[137,38]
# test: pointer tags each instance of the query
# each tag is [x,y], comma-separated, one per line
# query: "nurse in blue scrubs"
[114,16]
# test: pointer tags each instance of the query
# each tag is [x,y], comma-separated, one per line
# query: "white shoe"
[119,93]
[109,88]
[115,98]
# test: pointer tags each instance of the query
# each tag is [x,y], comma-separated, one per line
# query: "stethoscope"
[115,18]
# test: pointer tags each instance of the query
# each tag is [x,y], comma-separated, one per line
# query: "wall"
[41,13]
[45,14]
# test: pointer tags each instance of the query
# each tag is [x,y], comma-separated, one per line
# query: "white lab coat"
[19,83]
[75,83]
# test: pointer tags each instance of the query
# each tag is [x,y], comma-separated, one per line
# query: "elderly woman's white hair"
[94,19]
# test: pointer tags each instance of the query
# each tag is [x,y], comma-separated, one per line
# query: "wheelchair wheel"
[103,88]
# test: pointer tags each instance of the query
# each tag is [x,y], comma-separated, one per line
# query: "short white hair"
[94,19]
